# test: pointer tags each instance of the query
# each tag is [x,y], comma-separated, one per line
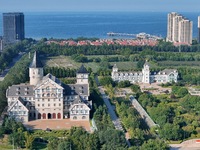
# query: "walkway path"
[142,112]
[116,121]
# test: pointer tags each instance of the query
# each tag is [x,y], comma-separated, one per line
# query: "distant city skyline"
[100,5]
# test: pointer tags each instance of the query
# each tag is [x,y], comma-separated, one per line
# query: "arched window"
[49,116]
[83,117]
[44,116]
[48,95]
[39,116]
[74,118]
[54,115]
[59,116]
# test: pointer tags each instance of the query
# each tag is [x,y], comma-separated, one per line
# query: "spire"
[82,69]
[146,63]
[114,66]
[36,63]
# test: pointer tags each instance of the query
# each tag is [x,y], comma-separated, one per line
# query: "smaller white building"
[145,76]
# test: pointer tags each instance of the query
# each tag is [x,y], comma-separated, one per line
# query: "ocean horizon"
[97,24]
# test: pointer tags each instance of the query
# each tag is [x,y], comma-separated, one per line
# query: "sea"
[97,24]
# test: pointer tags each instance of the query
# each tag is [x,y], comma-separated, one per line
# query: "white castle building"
[145,76]
[46,97]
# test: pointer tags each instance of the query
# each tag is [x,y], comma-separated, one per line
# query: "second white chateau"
[46,97]
[145,76]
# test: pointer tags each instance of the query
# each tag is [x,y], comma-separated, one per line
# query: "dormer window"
[18,88]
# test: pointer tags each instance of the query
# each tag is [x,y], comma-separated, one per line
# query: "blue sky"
[100,5]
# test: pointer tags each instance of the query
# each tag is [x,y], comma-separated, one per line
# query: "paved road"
[142,112]
[116,121]
[4,73]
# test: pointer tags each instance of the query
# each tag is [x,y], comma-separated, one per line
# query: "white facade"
[179,29]
[46,97]
[19,111]
[145,76]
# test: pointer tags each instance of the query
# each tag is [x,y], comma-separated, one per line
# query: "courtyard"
[56,124]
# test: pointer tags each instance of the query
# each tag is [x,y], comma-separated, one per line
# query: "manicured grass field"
[195,64]
[67,62]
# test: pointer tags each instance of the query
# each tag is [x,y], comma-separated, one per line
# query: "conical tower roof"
[114,66]
[146,63]
[36,63]
[82,69]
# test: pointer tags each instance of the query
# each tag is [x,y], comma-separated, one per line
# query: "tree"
[182,92]
[171,132]
[135,88]
[17,138]
[53,143]
[28,140]
[112,139]
[123,84]
[105,80]
[65,145]
[154,145]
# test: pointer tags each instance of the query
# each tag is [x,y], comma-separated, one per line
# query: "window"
[38,105]
[54,104]
[48,104]
[43,105]
[48,100]
[59,104]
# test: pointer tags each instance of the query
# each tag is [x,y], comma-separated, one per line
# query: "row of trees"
[60,72]
[56,49]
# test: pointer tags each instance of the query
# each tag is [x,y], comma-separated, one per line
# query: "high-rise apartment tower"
[179,29]
[13,27]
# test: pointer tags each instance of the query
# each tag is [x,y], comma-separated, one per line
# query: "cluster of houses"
[100,42]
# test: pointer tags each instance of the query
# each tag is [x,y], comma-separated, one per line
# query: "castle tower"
[35,70]
[82,75]
[146,73]
[114,70]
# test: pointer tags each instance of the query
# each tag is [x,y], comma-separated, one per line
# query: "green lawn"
[5,146]
[67,62]
[175,64]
